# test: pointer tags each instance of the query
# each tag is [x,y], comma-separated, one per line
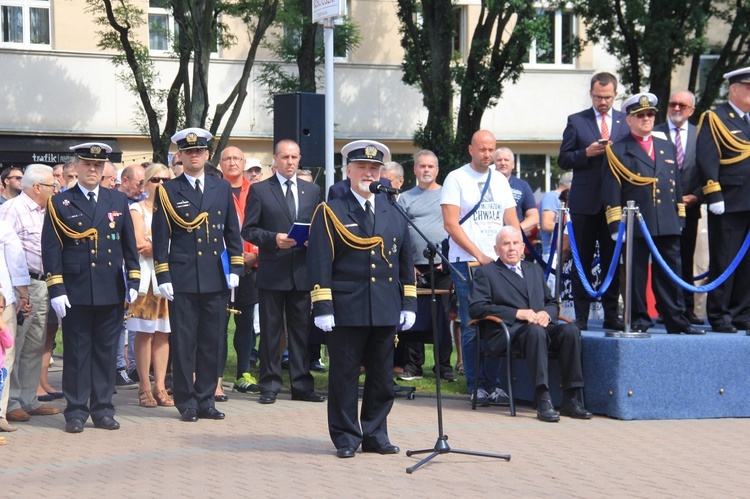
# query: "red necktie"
[605,128]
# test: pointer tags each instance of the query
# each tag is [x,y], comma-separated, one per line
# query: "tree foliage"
[498,48]
[186,101]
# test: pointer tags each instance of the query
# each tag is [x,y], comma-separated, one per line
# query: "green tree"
[199,32]
[499,46]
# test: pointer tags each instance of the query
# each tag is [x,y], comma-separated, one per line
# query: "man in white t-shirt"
[473,241]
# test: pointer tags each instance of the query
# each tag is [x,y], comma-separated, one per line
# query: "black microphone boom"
[376,187]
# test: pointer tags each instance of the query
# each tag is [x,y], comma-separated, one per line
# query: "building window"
[292,37]
[161,26]
[558,46]
[25,23]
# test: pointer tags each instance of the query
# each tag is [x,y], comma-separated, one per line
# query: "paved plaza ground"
[283,450]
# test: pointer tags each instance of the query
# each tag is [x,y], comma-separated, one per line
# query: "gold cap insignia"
[191,138]
[371,151]
[643,101]
[95,150]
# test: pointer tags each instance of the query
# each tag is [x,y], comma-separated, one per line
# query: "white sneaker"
[483,399]
[499,397]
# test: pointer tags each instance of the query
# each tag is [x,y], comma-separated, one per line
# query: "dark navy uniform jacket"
[89,269]
[729,182]
[661,207]
[190,258]
[359,286]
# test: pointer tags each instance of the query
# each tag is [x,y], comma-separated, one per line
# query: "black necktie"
[290,200]
[92,199]
[370,217]
[746,118]
[198,187]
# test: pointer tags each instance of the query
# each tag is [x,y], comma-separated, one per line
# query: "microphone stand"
[441,445]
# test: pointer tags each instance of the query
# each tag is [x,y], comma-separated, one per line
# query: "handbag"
[445,244]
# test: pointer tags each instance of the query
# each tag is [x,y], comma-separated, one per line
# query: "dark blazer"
[689,174]
[496,290]
[733,179]
[266,215]
[585,192]
[365,289]
[340,188]
[90,271]
[660,212]
[193,256]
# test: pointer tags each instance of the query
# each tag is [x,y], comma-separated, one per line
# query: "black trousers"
[687,253]
[730,302]
[535,343]
[274,306]
[198,322]
[90,337]
[588,230]
[347,347]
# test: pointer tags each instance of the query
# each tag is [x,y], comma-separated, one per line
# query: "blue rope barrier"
[695,289]
[536,256]
[552,251]
[612,267]
[699,277]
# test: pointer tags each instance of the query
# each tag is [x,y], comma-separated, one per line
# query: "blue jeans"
[490,366]
[244,339]
[121,363]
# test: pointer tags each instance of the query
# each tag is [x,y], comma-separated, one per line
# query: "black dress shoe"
[383,449]
[107,423]
[267,398]
[546,412]
[310,396]
[221,398]
[210,413]
[689,330]
[318,366]
[574,409]
[742,326]
[74,425]
[640,328]
[723,328]
[345,452]
[190,415]
[614,324]
[694,319]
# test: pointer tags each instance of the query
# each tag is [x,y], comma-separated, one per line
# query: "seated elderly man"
[514,290]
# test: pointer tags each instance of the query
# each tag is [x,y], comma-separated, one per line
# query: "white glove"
[614,237]
[234,281]
[59,305]
[167,291]
[132,295]
[325,322]
[717,208]
[407,319]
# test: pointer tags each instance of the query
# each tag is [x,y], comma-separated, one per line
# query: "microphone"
[376,187]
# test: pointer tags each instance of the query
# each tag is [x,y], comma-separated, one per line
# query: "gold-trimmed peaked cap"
[192,138]
[640,102]
[366,150]
[92,151]
[738,76]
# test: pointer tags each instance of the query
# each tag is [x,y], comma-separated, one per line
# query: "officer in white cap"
[723,159]
[643,168]
[361,267]
[194,221]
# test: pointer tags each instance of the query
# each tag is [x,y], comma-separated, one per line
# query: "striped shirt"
[26,218]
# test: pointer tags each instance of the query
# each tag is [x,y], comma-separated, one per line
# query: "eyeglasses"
[106,177]
[604,98]
[678,105]
[15,177]
[156,180]
[233,159]
[51,186]
[647,114]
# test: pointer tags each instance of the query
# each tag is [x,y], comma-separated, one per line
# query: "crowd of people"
[157,257]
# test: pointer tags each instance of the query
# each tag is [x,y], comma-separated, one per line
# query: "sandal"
[163,398]
[146,399]
[460,369]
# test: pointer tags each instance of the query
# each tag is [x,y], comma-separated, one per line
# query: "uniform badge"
[66,202]
[394,248]
[731,115]
[371,151]
[643,101]
[191,138]
[95,150]
[112,225]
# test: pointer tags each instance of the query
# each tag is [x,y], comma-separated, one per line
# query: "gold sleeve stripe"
[410,291]
[161,267]
[711,187]
[320,294]
[134,274]
[680,209]
[236,260]
[614,214]
[55,279]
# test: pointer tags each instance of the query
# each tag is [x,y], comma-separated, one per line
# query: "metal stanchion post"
[560,220]
[631,211]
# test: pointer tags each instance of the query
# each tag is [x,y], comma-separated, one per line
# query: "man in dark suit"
[683,135]
[87,235]
[643,168]
[582,150]
[194,221]
[515,291]
[273,206]
[724,169]
[360,265]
